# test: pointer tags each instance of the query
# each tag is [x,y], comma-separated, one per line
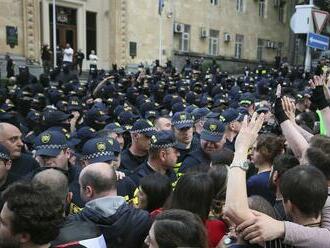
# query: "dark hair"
[158,188]
[284,162]
[36,211]
[306,187]
[219,176]
[318,154]
[269,146]
[194,192]
[99,181]
[260,204]
[179,228]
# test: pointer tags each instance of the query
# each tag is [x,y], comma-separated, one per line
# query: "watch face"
[246,165]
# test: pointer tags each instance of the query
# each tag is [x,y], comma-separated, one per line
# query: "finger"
[256,240]
[253,119]
[245,233]
[252,236]
[244,123]
[245,224]
[256,213]
[258,123]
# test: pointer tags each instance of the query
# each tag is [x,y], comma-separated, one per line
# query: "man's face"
[143,142]
[210,147]
[119,137]
[171,157]
[60,161]
[11,139]
[184,135]
[235,126]
[7,238]
[163,124]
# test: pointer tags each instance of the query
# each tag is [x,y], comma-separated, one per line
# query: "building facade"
[130,32]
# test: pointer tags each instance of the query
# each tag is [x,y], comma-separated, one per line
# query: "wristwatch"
[243,165]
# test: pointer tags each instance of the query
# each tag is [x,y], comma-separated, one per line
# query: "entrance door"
[66,26]
[66,34]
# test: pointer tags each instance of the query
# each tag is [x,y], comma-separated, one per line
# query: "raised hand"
[289,108]
[249,132]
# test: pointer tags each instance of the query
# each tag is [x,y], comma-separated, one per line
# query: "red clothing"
[216,229]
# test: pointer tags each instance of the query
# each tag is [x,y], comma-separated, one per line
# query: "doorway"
[66,26]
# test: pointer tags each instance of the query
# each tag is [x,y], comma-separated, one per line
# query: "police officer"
[51,150]
[212,142]
[233,120]
[182,124]
[163,155]
[137,153]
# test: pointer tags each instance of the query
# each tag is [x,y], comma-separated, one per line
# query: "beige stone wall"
[122,21]
[11,14]
[143,27]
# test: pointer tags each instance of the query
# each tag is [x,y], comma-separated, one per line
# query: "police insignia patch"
[45,138]
[182,117]
[213,127]
[153,139]
[100,146]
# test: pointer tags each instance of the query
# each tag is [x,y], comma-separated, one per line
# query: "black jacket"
[122,225]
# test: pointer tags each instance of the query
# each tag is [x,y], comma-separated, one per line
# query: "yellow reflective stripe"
[177,167]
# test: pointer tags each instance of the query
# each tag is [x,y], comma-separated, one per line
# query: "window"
[239,46]
[281,14]
[214,2]
[260,47]
[185,39]
[90,32]
[262,8]
[214,43]
[239,5]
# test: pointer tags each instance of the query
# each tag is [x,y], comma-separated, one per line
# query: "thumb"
[256,213]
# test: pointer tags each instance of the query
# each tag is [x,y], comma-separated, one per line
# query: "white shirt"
[68,55]
[93,58]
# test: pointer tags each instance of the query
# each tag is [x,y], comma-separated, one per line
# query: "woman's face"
[150,240]
[142,199]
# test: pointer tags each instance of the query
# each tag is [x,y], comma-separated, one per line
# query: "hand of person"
[318,97]
[279,113]
[289,108]
[261,228]
[120,175]
[248,133]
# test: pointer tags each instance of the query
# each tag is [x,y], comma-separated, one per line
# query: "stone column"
[123,33]
[31,17]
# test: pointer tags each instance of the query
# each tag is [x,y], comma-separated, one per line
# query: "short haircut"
[306,187]
[260,204]
[158,188]
[179,228]
[284,162]
[36,211]
[269,146]
[318,154]
[194,192]
[55,179]
[99,181]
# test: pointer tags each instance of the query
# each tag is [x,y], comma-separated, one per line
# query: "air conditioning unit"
[178,28]
[227,37]
[204,33]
